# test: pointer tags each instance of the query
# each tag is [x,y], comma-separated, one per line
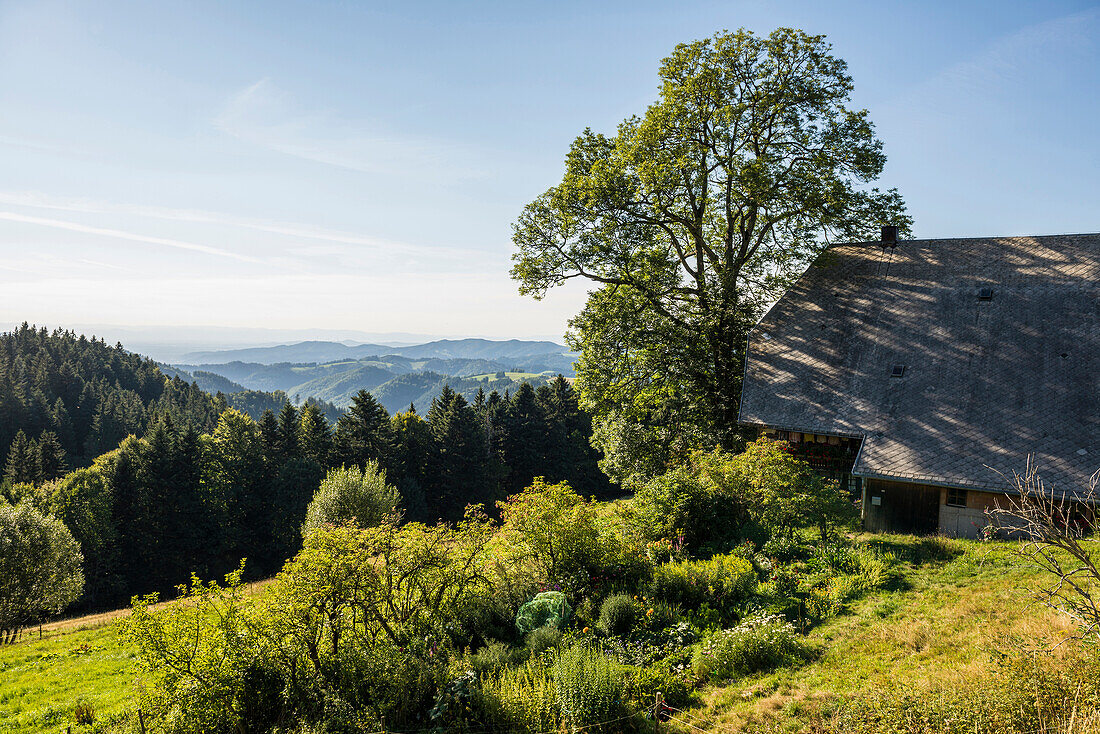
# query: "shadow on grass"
[918,550]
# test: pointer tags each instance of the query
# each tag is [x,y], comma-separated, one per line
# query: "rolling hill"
[318,352]
[401,376]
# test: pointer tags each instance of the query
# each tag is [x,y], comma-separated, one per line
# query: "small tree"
[552,527]
[1055,531]
[352,494]
[39,568]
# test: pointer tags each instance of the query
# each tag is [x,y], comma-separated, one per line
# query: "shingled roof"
[986,382]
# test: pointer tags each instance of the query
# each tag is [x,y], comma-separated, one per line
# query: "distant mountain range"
[396,376]
[328,351]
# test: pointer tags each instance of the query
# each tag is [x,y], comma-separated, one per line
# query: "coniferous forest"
[157,479]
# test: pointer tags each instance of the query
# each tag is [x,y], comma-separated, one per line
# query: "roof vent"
[898,371]
[889,236]
[985,294]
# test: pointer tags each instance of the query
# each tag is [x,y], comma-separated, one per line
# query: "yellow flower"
[649,613]
[584,631]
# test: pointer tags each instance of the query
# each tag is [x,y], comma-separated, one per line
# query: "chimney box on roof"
[889,236]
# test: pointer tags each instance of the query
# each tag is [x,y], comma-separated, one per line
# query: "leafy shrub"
[547,609]
[351,494]
[480,620]
[779,491]
[541,639]
[721,582]
[642,684]
[588,685]
[553,529]
[495,657]
[784,549]
[618,614]
[685,510]
[759,643]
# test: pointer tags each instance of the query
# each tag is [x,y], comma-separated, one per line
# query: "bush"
[351,494]
[618,614]
[588,685]
[721,582]
[519,699]
[480,620]
[757,644]
[547,609]
[541,639]
[686,511]
[39,567]
[495,657]
[642,684]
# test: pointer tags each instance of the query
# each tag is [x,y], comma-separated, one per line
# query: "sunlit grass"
[42,680]
[961,602]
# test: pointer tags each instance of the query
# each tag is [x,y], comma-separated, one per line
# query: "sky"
[354,168]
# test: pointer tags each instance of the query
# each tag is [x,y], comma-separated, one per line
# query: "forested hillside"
[156,479]
[65,399]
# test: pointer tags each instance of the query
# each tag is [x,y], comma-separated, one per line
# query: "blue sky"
[357,166]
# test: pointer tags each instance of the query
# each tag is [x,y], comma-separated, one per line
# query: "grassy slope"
[961,600]
[959,606]
[41,680]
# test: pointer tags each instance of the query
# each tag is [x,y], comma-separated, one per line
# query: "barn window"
[898,371]
[956,497]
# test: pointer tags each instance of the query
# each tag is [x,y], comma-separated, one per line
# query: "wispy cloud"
[123,235]
[264,115]
[38,200]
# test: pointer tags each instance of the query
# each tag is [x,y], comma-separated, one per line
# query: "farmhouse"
[925,372]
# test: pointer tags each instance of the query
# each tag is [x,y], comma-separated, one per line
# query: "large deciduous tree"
[690,220]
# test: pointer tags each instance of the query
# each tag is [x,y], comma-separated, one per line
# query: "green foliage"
[496,657]
[618,614]
[352,494]
[194,655]
[695,514]
[520,699]
[691,219]
[547,609]
[781,491]
[83,501]
[758,643]
[588,685]
[553,529]
[39,567]
[721,582]
[544,638]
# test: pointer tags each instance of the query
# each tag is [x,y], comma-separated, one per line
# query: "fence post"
[658,705]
